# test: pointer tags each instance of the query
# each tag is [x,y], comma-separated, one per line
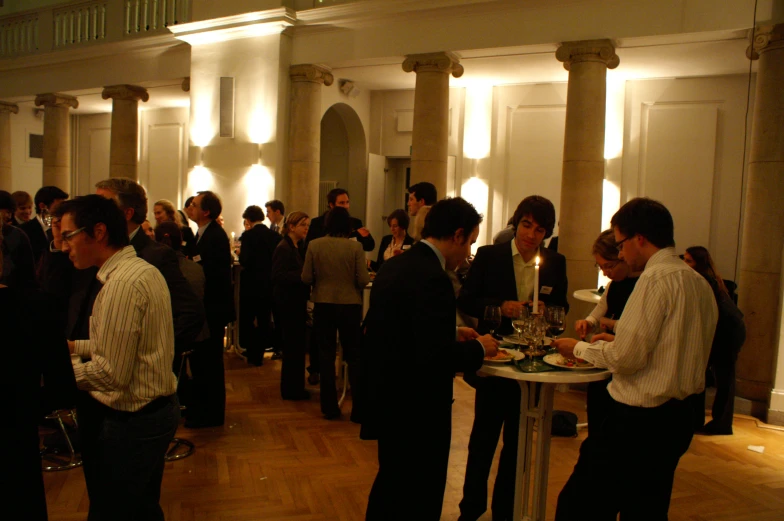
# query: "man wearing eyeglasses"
[132,412]
[658,358]
[503,275]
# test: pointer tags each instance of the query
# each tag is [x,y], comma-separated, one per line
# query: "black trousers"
[329,320]
[599,402]
[208,396]
[496,406]
[254,323]
[721,372]
[627,464]
[291,323]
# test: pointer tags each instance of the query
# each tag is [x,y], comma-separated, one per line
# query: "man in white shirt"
[658,359]
[132,412]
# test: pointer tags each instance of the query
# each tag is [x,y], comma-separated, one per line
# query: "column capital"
[9,107]
[602,51]
[446,62]
[125,92]
[54,99]
[311,73]
[764,38]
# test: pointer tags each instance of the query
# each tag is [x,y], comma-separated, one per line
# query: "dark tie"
[197,237]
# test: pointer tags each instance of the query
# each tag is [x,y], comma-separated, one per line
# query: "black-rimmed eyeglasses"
[620,243]
[70,235]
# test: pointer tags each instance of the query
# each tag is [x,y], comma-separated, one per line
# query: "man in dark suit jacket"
[258,245]
[414,418]
[339,197]
[213,252]
[18,270]
[46,198]
[502,275]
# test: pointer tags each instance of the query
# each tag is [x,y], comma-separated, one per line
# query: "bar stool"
[180,448]
[53,458]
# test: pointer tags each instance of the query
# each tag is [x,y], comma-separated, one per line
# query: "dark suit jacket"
[288,290]
[258,245]
[316,231]
[38,239]
[188,241]
[411,328]
[491,281]
[18,266]
[385,240]
[213,252]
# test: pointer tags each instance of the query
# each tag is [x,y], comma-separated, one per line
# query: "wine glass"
[492,318]
[536,328]
[519,322]
[555,316]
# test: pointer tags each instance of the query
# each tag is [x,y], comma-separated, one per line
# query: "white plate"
[556,360]
[513,339]
[516,355]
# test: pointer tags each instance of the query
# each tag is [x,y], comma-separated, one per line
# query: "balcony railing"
[80,23]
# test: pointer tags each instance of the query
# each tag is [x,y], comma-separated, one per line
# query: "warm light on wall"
[613,120]
[476,192]
[259,186]
[478,121]
[260,127]
[611,201]
[200,179]
[202,127]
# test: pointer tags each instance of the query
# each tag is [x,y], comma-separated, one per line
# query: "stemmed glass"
[555,316]
[536,327]
[492,318]
[519,322]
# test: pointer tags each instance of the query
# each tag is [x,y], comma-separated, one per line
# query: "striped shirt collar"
[114,262]
[660,257]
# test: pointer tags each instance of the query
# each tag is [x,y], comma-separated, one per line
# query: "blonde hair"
[293,219]
[171,211]
[606,246]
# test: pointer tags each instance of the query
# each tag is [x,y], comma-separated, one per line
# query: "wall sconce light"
[348,88]
[201,156]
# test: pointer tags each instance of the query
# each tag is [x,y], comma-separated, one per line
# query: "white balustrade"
[79,23]
[144,16]
[18,35]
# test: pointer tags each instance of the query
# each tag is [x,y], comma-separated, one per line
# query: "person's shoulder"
[547,253]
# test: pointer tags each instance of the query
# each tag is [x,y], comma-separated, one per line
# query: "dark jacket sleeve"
[187,309]
[215,254]
[285,268]
[472,299]
[560,283]
[368,243]
[385,240]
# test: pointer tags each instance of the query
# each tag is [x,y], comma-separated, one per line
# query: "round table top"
[548,377]
[587,295]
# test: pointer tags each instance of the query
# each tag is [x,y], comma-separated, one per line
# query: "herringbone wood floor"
[278,461]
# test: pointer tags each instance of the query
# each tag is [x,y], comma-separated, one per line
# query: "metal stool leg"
[52,459]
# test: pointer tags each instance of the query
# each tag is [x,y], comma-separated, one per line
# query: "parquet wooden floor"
[280,461]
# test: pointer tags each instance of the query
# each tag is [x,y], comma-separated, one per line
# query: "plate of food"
[514,339]
[504,355]
[575,364]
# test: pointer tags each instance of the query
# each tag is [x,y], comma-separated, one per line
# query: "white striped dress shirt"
[663,338]
[131,343]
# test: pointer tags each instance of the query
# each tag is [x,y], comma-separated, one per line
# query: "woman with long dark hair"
[727,342]
[290,300]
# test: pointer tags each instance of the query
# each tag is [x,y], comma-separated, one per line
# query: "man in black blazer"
[213,252]
[18,270]
[412,375]
[339,197]
[258,245]
[46,198]
[503,275]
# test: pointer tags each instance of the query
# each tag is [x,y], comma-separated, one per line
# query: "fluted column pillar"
[57,139]
[580,220]
[759,285]
[305,135]
[124,145]
[430,138]
[6,109]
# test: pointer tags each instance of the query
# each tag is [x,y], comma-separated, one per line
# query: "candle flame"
[537,261]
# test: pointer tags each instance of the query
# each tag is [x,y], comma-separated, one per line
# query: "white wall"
[92,145]
[25,172]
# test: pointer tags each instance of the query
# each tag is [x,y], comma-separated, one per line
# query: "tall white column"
[57,139]
[124,145]
[6,109]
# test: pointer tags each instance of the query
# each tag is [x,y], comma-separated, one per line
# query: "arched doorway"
[343,157]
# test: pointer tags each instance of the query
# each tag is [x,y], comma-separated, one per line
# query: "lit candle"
[536,286]
[232,236]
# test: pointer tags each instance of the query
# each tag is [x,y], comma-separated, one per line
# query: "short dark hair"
[449,215]
[170,234]
[47,195]
[646,217]
[426,191]
[276,205]
[253,213]
[210,202]
[21,198]
[538,207]
[130,194]
[402,218]
[7,202]
[189,200]
[89,210]
[337,223]
[332,196]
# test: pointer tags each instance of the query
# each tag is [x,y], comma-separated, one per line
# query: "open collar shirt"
[663,338]
[131,344]
[524,274]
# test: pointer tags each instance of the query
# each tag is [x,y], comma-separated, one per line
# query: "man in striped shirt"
[132,413]
[658,359]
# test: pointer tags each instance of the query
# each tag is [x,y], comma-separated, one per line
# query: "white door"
[375,200]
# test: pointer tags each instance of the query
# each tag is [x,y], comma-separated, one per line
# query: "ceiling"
[531,64]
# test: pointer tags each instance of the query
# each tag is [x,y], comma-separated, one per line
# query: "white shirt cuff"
[580,348]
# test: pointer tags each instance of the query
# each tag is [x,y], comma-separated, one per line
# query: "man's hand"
[607,323]
[607,337]
[565,346]
[490,344]
[57,233]
[582,327]
[466,333]
[363,232]
[540,308]
[511,308]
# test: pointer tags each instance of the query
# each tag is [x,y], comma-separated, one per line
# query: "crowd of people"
[131,301]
